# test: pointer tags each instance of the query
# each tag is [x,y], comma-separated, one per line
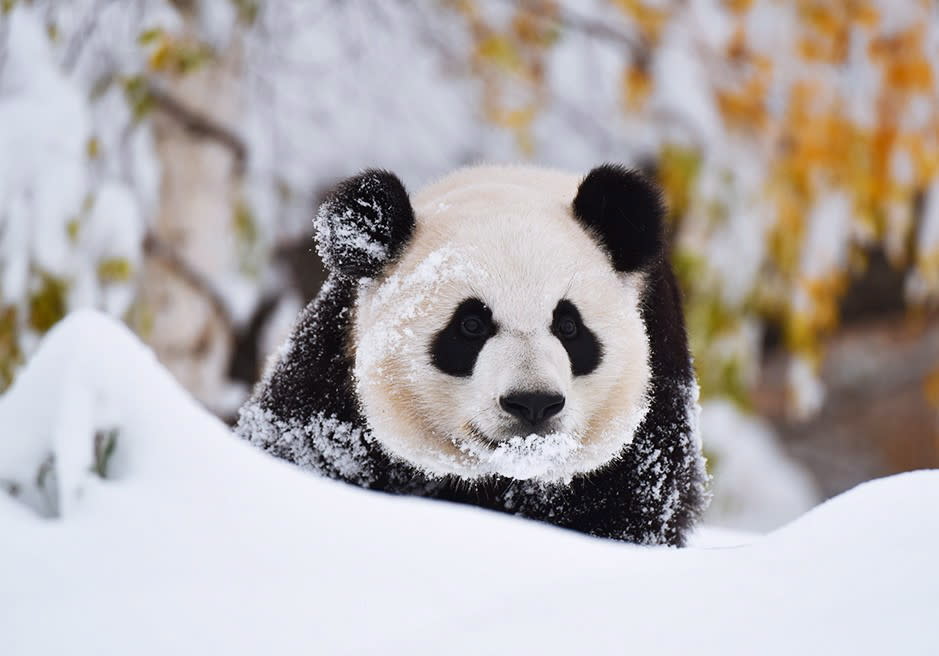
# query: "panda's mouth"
[548,456]
[515,431]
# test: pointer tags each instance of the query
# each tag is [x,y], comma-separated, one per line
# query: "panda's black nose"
[532,407]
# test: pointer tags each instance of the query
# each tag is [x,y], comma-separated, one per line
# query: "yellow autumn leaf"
[115,270]
[636,87]
[160,56]
[48,303]
[501,51]
[93,148]
[931,388]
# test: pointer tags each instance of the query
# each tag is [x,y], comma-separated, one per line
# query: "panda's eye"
[566,328]
[583,348]
[456,347]
[474,327]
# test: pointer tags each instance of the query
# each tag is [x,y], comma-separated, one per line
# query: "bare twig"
[601,30]
[200,125]
[158,249]
[585,25]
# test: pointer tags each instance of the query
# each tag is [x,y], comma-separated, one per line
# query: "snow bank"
[198,543]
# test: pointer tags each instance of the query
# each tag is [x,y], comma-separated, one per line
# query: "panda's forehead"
[520,258]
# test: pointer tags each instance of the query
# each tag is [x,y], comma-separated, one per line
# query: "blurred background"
[161,160]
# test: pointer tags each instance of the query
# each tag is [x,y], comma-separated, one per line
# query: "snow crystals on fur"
[534,456]
[337,227]
[652,464]
[444,264]
[323,444]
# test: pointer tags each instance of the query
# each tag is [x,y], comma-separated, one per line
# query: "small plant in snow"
[105,444]
[47,485]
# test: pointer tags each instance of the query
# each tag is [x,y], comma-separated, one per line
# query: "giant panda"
[511,337]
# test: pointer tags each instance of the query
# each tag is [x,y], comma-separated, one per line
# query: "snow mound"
[185,539]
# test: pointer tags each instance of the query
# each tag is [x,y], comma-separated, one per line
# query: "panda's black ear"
[364,223]
[624,210]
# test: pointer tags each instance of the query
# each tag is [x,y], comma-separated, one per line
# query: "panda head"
[497,326]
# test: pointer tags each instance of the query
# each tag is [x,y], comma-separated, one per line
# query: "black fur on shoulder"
[625,212]
[364,223]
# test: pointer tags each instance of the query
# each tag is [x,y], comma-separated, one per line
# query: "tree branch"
[158,249]
[200,125]
[585,25]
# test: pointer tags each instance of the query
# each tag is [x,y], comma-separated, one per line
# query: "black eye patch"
[455,348]
[582,346]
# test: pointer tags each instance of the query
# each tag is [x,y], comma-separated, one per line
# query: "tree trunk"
[189,329]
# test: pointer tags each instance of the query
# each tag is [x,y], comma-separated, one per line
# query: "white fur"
[505,235]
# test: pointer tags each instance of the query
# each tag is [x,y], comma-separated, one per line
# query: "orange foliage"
[637,85]
[650,20]
[509,59]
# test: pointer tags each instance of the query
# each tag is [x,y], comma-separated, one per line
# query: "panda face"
[532,405]
[502,340]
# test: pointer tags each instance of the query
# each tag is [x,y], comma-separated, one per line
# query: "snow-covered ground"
[196,543]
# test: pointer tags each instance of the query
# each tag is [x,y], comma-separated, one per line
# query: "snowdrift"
[195,542]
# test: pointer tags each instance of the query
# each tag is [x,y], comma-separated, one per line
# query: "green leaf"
[149,36]
[247,238]
[137,93]
[93,148]
[72,228]
[48,304]
[140,317]
[246,229]
[88,203]
[247,10]
[11,357]
[115,270]
[192,59]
